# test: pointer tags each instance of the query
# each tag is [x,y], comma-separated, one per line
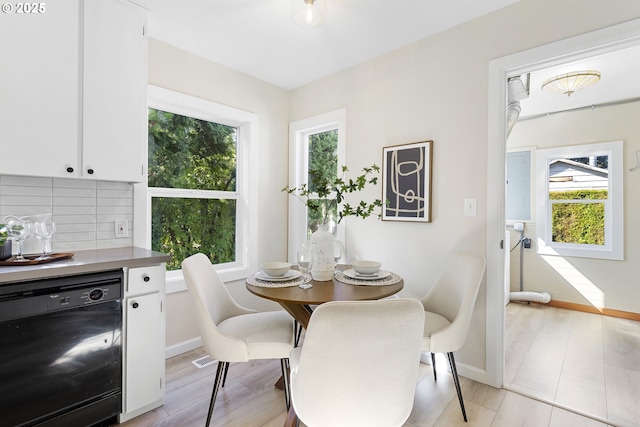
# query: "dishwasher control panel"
[84,296]
[32,298]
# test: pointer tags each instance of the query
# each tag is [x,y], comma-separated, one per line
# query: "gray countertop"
[87,261]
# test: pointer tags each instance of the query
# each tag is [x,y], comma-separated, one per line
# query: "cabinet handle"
[90,171]
[146,278]
[70,169]
[135,305]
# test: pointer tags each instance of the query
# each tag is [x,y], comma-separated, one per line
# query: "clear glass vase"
[322,249]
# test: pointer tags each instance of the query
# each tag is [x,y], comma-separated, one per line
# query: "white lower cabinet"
[144,340]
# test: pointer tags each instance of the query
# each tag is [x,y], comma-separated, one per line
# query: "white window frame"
[246,182]
[613,247]
[299,133]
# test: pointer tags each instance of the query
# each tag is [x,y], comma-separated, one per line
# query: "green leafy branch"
[330,193]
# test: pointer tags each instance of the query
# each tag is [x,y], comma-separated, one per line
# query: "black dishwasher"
[61,351]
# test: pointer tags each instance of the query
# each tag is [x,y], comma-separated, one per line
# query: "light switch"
[470,206]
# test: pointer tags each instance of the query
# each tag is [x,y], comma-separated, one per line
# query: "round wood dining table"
[298,301]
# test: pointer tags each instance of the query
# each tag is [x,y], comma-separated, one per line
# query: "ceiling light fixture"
[309,13]
[571,82]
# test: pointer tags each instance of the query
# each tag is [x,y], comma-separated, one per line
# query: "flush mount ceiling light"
[571,82]
[309,13]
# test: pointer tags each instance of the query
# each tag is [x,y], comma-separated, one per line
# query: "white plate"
[381,274]
[289,275]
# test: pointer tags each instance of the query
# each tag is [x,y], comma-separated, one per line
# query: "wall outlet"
[122,229]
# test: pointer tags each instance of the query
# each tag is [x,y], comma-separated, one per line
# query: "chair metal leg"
[297,328]
[284,363]
[456,380]
[222,367]
[226,371]
[433,364]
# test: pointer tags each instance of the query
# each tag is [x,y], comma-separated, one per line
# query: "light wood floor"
[249,399]
[588,362]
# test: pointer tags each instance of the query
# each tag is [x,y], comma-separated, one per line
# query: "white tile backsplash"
[84,211]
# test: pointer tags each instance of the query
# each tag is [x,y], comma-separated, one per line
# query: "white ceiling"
[260,39]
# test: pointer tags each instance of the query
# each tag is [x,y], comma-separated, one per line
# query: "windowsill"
[593,252]
[175,279]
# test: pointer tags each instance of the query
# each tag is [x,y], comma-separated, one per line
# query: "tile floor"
[586,362]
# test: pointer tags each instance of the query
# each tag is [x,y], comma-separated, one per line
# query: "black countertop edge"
[86,261]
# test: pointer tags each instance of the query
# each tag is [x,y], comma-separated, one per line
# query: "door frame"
[593,43]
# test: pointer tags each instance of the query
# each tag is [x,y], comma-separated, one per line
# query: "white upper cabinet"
[73,93]
[115,91]
[39,91]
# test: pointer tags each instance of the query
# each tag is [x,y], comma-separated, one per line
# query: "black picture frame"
[406,185]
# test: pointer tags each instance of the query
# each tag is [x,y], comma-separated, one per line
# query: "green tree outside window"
[188,153]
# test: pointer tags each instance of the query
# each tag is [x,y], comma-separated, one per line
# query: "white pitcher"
[322,248]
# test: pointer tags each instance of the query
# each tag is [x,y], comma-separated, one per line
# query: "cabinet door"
[114,91]
[144,359]
[39,90]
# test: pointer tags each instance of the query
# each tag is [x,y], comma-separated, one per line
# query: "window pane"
[323,157]
[579,223]
[183,227]
[579,178]
[190,153]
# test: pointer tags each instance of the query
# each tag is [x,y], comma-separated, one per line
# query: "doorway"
[598,42]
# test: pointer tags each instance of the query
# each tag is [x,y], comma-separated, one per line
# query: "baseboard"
[182,347]
[464,370]
[591,309]
[472,373]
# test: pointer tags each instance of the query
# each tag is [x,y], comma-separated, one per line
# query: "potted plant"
[5,243]
[325,196]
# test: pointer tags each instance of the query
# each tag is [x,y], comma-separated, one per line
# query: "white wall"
[615,280]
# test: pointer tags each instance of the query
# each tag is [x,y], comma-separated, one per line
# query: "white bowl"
[275,269]
[366,267]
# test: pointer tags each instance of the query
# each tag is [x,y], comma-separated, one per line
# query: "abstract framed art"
[406,185]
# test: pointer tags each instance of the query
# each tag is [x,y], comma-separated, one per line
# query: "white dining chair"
[232,333]
[448,309]
[358,364]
